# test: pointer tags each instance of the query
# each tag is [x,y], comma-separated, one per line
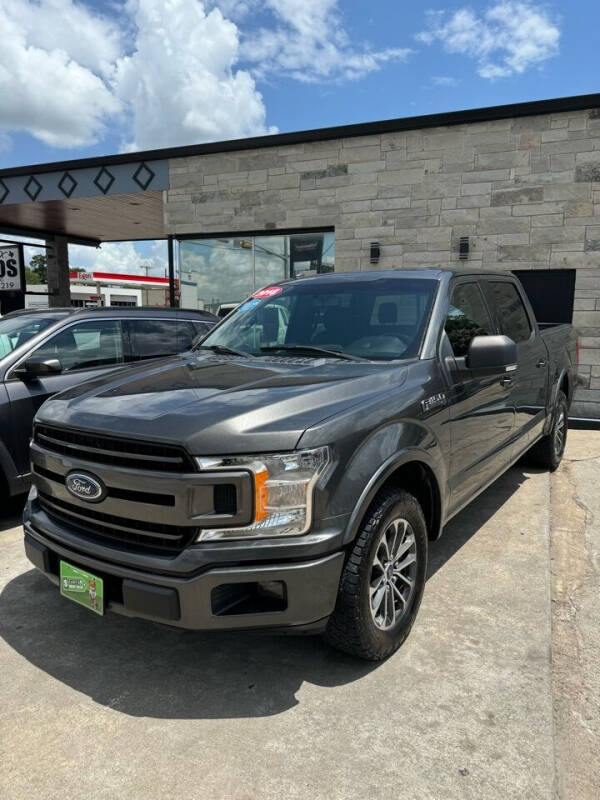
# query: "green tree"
[32,277]
[39,265]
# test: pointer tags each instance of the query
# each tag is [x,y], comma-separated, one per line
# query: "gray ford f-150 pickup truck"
[289,471]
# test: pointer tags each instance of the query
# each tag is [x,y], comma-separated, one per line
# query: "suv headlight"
[283,490]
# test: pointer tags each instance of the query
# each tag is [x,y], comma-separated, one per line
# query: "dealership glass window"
[220,272]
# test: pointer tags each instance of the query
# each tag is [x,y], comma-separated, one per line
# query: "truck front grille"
[131,533]
[154,499]
[99,449]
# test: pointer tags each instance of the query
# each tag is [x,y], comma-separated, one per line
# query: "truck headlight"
[283,490]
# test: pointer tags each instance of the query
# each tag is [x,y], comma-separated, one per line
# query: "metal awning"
[86,203]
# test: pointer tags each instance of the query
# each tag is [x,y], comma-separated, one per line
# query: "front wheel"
[383,580]
[548,452]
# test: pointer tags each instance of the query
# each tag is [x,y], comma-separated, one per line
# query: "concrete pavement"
[494,695]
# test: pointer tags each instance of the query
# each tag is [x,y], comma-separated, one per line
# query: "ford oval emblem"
[85,486]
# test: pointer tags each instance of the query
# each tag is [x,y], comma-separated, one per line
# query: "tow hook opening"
[261,597]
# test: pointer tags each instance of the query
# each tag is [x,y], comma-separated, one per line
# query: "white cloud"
[61,97]
[180,85]
[506,39]
[444,80]
[5,141]
[309,43]
[164,72]
[123,257]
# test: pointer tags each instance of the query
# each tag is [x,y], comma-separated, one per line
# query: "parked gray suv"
[45,351]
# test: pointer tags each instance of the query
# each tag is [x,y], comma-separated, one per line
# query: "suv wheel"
[548,452]
[383,580]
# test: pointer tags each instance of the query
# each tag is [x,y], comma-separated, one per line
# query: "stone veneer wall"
[525,190]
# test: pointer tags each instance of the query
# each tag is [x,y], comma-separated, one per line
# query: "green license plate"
[82,587]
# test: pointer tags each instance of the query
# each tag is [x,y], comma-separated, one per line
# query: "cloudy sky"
[103,76]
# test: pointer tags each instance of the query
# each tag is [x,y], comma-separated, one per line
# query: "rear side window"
[190,331]
[86,345]
[201,328]
[186,334]
[467,317]
[510,311]
[152,338]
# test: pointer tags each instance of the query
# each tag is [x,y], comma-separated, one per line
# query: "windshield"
[379,319]
[15,331]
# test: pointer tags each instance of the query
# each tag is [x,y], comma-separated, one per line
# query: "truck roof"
[434,273]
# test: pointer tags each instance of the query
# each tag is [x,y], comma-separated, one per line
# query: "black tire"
[352,627]
[548,452]
[4,495]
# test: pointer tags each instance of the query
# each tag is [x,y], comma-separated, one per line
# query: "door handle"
[541,362]
[505,381]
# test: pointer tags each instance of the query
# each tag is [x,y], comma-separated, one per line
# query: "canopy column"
[58,272]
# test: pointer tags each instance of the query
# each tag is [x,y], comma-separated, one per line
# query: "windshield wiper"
[223,350]
[308,348]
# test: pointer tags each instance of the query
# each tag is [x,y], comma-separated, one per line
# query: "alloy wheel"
[560,433]
[393,574]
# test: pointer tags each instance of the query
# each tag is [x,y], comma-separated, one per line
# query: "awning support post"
[59,287]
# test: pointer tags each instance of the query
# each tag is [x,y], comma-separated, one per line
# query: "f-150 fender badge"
[435,401]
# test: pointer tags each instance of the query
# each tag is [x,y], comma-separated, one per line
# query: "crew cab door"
[480,407]
[529,390]
[85,350]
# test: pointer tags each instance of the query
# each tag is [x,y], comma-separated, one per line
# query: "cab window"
[85,345]
[467,317]
[510,311]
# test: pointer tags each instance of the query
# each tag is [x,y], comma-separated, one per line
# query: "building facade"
[524,193]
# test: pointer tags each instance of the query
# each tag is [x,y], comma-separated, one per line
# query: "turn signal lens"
[261,495]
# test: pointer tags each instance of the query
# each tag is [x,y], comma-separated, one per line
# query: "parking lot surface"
[494,695]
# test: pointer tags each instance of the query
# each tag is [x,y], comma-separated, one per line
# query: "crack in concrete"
[573,568]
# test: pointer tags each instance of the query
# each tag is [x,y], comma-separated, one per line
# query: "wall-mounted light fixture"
[375,253]
[463,248]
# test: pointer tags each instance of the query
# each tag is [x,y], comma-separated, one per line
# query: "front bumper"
[307,590]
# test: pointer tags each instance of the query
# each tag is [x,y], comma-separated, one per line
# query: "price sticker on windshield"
[268,291]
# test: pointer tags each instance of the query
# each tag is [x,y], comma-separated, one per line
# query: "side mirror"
[491,355]
[37,367]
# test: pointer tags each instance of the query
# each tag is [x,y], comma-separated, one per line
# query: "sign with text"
[12,269]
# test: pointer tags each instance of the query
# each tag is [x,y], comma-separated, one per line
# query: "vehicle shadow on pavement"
[144,669]
[474,516]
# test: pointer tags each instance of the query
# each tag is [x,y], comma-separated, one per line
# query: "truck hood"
[221,404]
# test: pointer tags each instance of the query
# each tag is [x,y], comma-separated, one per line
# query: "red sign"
[268,291]
[119,277]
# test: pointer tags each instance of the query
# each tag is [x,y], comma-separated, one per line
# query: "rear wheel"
[548,452]
[383,580]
